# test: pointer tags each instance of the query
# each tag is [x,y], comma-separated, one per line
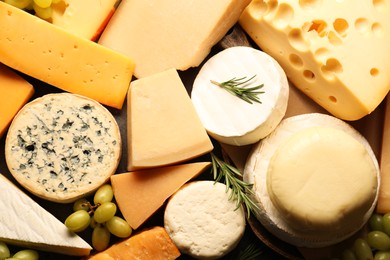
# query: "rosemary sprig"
[240,190]
[251,252]
[238,87]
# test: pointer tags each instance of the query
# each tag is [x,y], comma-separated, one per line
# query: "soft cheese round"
[228,118]
[315,179]
[202,221]
[63,146]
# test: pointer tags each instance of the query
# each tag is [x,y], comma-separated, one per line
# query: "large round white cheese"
[202,221]
[226,117]
[315,179]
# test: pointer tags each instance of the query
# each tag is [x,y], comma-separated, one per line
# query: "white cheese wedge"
[25,223]
[336,52]
[202,221]
[63,146]
[228,118]
[315,180]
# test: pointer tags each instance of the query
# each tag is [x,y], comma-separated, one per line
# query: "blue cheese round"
[61,147]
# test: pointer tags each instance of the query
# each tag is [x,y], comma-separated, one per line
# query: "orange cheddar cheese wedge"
[139,194]
[59,58]
[14,93]
[153,243]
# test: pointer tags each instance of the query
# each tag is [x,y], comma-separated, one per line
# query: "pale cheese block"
[203,221]
[74,64]
[159,35]
[228,118]
[139,194]
[336,52]
[63,146]
[316,180]
[85,18]
[14,93]
[25,223]
[163,127]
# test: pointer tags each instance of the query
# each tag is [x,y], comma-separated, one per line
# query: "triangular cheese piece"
[139,194]
[23,222]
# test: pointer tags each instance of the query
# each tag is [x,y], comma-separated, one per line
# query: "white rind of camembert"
[228,118]
[315,179]
[61,147]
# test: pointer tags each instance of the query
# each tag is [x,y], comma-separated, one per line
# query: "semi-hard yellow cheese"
[160,35]
[153,243]
[14,93]
[336,52]
[48,53]
[140,193]
[163,127]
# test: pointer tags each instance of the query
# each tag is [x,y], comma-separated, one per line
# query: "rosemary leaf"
[250,252]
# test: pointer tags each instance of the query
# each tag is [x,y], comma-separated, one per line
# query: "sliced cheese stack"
[86,18]
[202,221]
[334,51]
[63,146]
[228,118]
[14,93]
[25,223]
[140,194]
[315,180]
[50,54]
[160,35]
[163,127]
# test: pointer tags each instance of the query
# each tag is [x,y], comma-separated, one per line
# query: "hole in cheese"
[295,60]
[340,25]
[332,66]
[318,26]
[362,25]
[308,74]
[260,8]
[308,3]
[321,53]
[283,16]
[333,99]
[379,5]
[377,29]
[297,40]
[334,39]
[374,72]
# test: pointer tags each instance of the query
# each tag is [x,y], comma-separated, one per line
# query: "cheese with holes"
[50,54]
[85,18]
[171,33]
[153,243]
[139,194]
[25,223]
[163,127]
[336,52]
[14,93]
[228,118]
[309,161]
[63,146]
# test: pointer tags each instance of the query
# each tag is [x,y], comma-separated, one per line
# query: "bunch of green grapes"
[41,8]
[25,254]
[101,217]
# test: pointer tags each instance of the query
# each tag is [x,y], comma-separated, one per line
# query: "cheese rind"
[336,52]
[25,223]
[169,34]
[163,127]
[225,116]
[14,93]
[50,54]
[139,194]
[63,146]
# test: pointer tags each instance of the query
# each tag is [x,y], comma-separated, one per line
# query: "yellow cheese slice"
[160,35]
[141,193]
[14,93]
[336,52]
[163,127]
[48,53]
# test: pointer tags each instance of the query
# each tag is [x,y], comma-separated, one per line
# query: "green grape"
[375,223]
[22,4]
[100,238]
[119,227]
[378,240]
[362,250]
[78,221]
[4,251]
[81,204]
[43,3]
[103,194]
[43,13]
[382,255]
[386,223]
[27,254]
[348,254]
[105,212]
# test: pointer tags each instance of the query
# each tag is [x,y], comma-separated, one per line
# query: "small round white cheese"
[315,180]
[228,118]
[202,221]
